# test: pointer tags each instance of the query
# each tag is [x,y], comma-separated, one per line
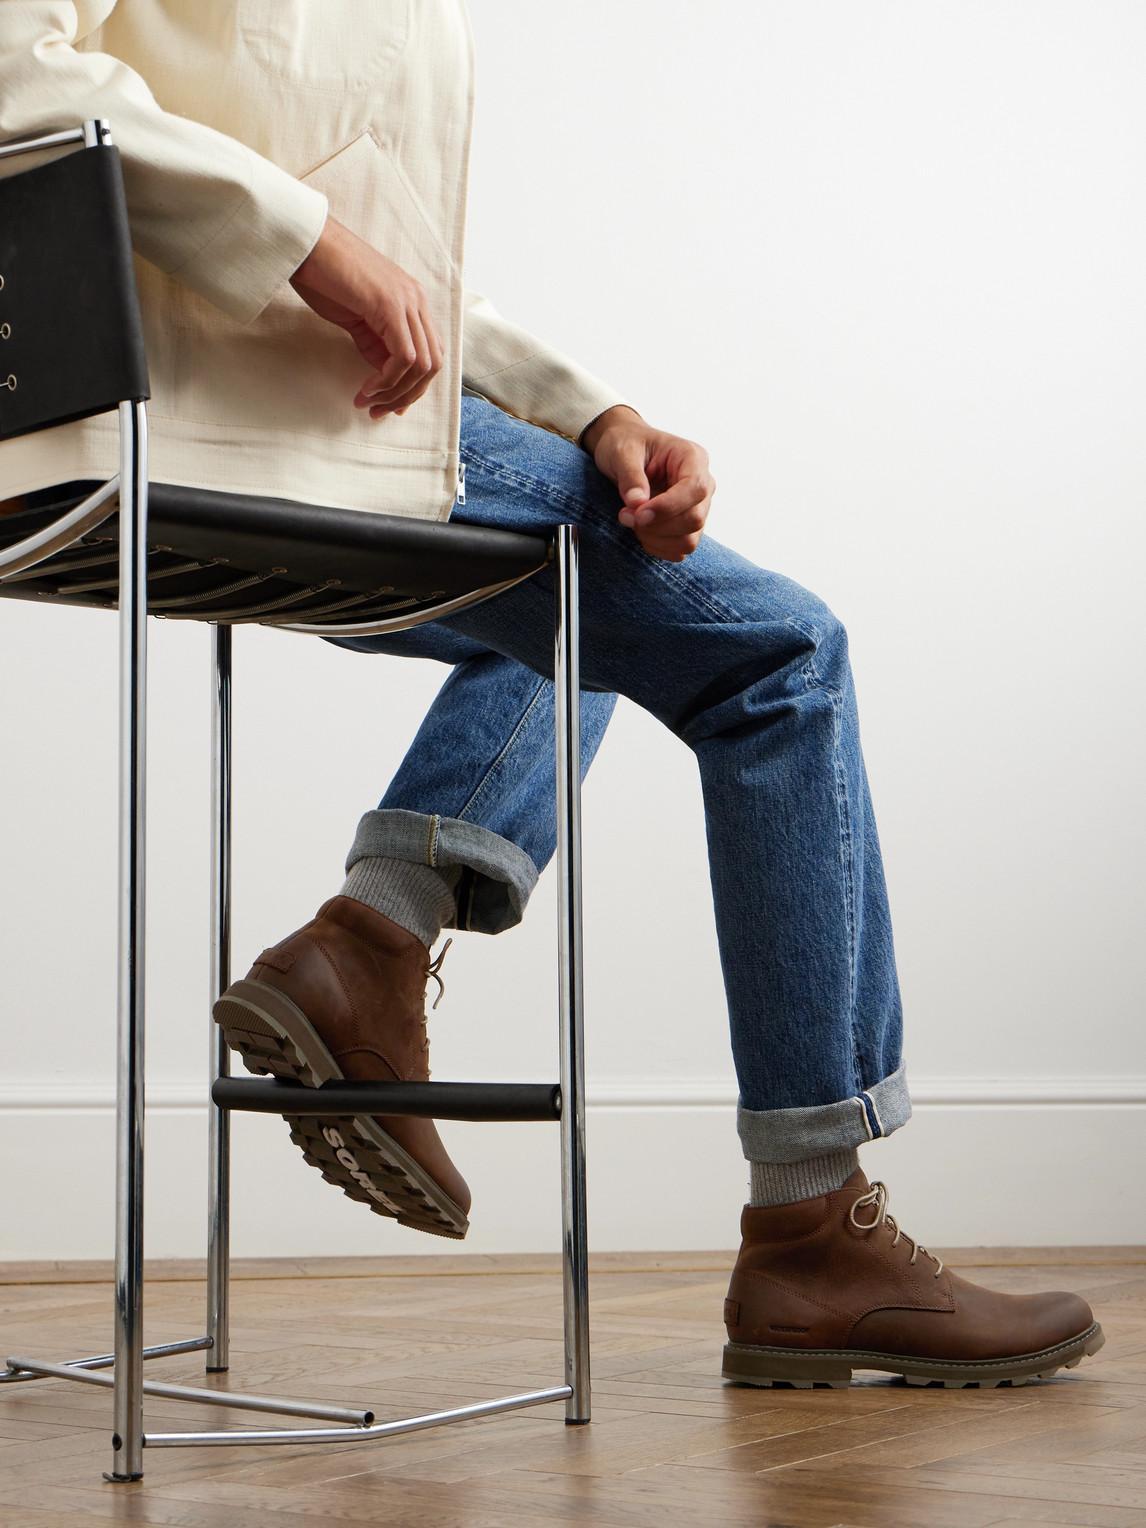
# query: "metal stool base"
[357,1424]
[563,1102]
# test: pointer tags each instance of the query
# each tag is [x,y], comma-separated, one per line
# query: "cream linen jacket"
[240,123]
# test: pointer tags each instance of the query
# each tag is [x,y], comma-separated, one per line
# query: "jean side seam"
[484,783]
[559,496]
[814,680]
[871,1104]
[843,807]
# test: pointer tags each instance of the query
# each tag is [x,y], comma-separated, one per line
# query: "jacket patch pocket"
[292,368]
[326,44]
[370,191]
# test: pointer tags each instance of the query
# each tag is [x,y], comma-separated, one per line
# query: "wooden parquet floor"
[669,1443]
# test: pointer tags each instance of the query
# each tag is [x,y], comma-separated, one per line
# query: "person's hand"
[665,486]
[384,311]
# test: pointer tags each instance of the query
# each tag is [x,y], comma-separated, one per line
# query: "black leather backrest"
[71,341]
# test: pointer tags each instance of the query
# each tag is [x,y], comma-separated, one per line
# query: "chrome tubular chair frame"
[129,492]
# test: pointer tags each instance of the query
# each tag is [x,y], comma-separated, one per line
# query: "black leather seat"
[231,558]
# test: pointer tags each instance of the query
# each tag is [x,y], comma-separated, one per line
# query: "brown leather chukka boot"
[831,1284]
[344,997]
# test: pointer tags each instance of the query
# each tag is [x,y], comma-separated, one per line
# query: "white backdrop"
[885,261]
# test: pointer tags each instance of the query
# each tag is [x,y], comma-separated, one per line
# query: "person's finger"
[422,361]
[430,358]
[437,361]
[410,387]
[389,399]
[437,352]
[631,479]
[680,499]
[371,346]
[679,462]
[672,548]
[402,354]
[403,401]
[660,535]
[421,374]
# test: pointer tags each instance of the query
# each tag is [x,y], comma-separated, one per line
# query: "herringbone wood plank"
[670,1443]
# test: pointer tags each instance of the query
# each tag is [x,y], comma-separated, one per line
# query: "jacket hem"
[379,479]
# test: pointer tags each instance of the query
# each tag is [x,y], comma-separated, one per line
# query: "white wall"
[885,261]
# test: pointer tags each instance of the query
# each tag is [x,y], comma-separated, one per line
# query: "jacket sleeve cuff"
[260,245]
[527,378]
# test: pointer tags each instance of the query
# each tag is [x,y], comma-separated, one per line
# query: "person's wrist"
[332,262]
[306,265]
[618,413]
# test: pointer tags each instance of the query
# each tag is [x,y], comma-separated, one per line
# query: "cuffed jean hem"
[491,876]
[791,1135]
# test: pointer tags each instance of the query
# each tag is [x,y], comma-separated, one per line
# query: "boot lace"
[433,970]
[877,1197]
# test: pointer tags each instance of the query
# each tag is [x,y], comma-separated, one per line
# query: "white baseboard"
[984,1162]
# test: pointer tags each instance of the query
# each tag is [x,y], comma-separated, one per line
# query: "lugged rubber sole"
[275,1038]
[745,1364]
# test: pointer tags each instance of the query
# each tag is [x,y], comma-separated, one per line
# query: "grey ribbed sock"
[785,1182]
[416,896]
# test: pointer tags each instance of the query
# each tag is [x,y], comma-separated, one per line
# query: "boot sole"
[745,1364]
[275,1038]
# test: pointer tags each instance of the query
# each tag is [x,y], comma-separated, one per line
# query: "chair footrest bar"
[105,1360]
[294,1435]
[232,1398]
[505,1101]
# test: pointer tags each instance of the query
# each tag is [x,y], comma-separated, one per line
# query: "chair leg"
[127,1443]
[219,1120]
[567,718]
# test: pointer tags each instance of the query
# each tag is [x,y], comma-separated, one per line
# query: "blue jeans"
[751,672]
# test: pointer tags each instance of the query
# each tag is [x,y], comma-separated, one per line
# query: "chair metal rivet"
[5,331]
[10,382]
